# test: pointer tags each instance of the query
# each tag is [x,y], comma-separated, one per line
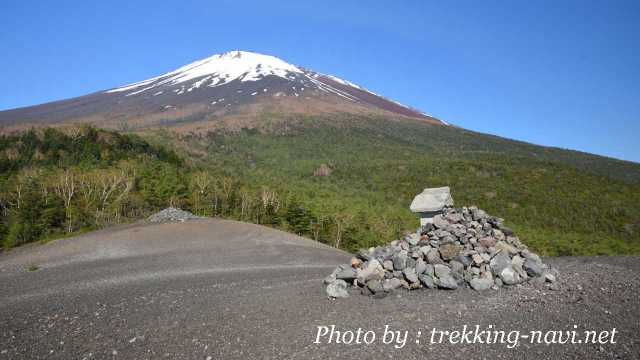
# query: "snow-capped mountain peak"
[228,83]
[219,69]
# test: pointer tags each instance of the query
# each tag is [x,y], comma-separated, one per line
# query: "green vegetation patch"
[345,181]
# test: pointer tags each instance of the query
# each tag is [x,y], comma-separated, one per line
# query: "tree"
[298,218]
[316,225]
[342,220]
[200,185]
[65,186]
[270,203]
[27,222]
[162,184]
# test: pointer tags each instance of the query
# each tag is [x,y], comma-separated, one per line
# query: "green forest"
[347,184]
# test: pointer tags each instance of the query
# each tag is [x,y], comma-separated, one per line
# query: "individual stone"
[427,281]
[477,214]
[486,275]
[459,230]
[487,241]
[447,282]
[496,221]
[531,256]
[347,274]
[464,260]
[480,284]
[456,267]
[363,254]
[337,289]
[391,284]
[449,251]
[549,277]
[429,270]
[411,263]
[440,222]
[467,275]
[329,279]
[424,250]
[509,276]
[442,270]
[504,247]
[516,264]
[454,218]
[498,235]
[372,270]
[400,260]
[332,277]
[500,262]
[477,259]
[355,262]
[506,231]
[412,239]
[421,266]
[433,257]
[410,275]
[388,265]
[382,253]
[365,291]
[375,285]
[448,239]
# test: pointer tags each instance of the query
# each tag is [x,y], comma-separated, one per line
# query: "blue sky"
[560,73]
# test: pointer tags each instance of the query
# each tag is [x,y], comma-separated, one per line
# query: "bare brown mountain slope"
[219,89]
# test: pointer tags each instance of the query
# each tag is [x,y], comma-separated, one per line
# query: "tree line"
[56,183]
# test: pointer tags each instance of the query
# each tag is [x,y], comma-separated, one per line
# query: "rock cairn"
[172,215]
[461,248]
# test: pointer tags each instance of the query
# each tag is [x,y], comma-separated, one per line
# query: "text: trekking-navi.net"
[465,334]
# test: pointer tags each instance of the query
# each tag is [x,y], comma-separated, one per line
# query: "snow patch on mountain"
[222,68]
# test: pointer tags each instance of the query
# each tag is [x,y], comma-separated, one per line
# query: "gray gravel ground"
[227,290]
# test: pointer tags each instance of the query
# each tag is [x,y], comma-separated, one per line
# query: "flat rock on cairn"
[462,248]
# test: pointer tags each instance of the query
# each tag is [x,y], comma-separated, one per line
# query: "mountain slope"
[218,86]
[377,166]
[331,157]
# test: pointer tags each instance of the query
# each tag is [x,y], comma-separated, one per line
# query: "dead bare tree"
[65,186]
[201,184]
[113,188]
[316,227]
[342,220]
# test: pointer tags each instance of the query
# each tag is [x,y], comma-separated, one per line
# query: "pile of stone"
[172,214]
[456,249]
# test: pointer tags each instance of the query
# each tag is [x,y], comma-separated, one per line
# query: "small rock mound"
[461,248]
[172,215]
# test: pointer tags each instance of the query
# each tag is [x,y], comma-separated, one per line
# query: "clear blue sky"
[561,73]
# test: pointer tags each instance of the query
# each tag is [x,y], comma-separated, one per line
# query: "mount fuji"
[235,84]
